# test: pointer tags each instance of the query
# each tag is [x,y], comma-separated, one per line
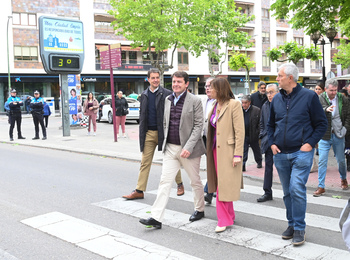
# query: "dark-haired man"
[182,146]
[151,132]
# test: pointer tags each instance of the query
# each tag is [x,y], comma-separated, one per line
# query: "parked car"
[107,114]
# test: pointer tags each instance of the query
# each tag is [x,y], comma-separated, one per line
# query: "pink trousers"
[120,120]
[224,209]
[92,118]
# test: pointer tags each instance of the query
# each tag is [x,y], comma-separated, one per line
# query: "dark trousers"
[15,118]
[256,150]
[38,119]
[46,119]
[268,175]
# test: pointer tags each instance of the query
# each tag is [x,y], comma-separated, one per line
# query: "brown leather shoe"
[134,195]
[319,192]
[344,184]
[180,189]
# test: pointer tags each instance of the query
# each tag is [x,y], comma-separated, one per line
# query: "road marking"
[6,256]
[277,193]
[241,236]
[263,210]
[100,240]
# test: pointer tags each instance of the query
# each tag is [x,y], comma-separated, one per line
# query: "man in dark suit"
[182,146]
[271,91]
[151,132]
[259,97]
[251,123]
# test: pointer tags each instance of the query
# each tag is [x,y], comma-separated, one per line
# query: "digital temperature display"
[60,62]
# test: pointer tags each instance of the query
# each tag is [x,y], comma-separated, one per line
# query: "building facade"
[19,19]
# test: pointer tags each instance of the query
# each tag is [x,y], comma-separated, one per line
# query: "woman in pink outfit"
[225,139]
[91,106]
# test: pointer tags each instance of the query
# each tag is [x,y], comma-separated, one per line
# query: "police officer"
[15,114]
[37,106]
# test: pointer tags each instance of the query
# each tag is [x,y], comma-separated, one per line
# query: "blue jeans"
[293,170]
[338,147]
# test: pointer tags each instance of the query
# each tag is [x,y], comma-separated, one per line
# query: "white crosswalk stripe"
[112,244]
[102,241]
[245,237]
[6,256]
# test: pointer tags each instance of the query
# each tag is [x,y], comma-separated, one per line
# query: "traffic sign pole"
[113,94]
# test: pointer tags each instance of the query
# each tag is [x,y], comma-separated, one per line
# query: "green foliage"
[314,15]
[343,55]
[293,52]
[240,60]
[214,25]
[198,25]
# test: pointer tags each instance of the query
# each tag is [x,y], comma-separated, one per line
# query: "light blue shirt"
[176,99]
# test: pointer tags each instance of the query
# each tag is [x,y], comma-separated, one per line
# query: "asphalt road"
[37,181]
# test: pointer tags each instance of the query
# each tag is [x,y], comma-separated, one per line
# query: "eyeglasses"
[270,93]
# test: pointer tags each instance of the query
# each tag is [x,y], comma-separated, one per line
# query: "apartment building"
[19,19]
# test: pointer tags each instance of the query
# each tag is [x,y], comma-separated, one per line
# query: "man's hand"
[275,149]
[185,153]
[330,108]
[306,148]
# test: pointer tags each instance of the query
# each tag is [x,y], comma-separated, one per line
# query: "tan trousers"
[171,164]
[151,143]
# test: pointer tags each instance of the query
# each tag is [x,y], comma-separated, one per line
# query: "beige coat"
[229,142]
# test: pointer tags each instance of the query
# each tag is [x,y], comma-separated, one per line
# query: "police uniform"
[15,115]
[37,106]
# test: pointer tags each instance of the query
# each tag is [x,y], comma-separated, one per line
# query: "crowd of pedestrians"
[285,122]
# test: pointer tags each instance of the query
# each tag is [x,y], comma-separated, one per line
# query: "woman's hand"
[91,108]
[236,161]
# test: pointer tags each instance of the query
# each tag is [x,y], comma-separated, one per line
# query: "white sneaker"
[88,133]
[94,133]
[124,135]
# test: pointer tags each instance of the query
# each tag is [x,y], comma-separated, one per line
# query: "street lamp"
[8,55]
[330,33]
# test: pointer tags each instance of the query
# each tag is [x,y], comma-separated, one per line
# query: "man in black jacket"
[251,123]
[271,91]
[151,132]
[259,97]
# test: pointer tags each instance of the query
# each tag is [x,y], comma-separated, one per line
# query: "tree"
[241,60]
[293,53]
[214,24]
[197,25]
[343,55]
[157,24]
[315,16]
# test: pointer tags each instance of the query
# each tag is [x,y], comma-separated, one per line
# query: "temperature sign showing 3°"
[62,62]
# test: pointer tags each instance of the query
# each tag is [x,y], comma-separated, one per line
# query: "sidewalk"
[128,148]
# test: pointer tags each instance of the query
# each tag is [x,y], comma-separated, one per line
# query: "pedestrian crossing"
[115,245]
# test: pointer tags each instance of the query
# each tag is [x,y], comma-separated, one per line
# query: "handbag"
[125,111]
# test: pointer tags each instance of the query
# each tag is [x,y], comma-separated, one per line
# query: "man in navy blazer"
[182,146]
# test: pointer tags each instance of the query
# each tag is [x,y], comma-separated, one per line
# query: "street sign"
[116,56]
[61,45]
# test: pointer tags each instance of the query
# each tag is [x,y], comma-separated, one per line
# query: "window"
[103,27]
[26,53]
[24,19]
[182,57]
[265,37]
[266,62]
[281,38]
[124,57]
[133,57]
[299,40]
[265,13]
[316,64]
